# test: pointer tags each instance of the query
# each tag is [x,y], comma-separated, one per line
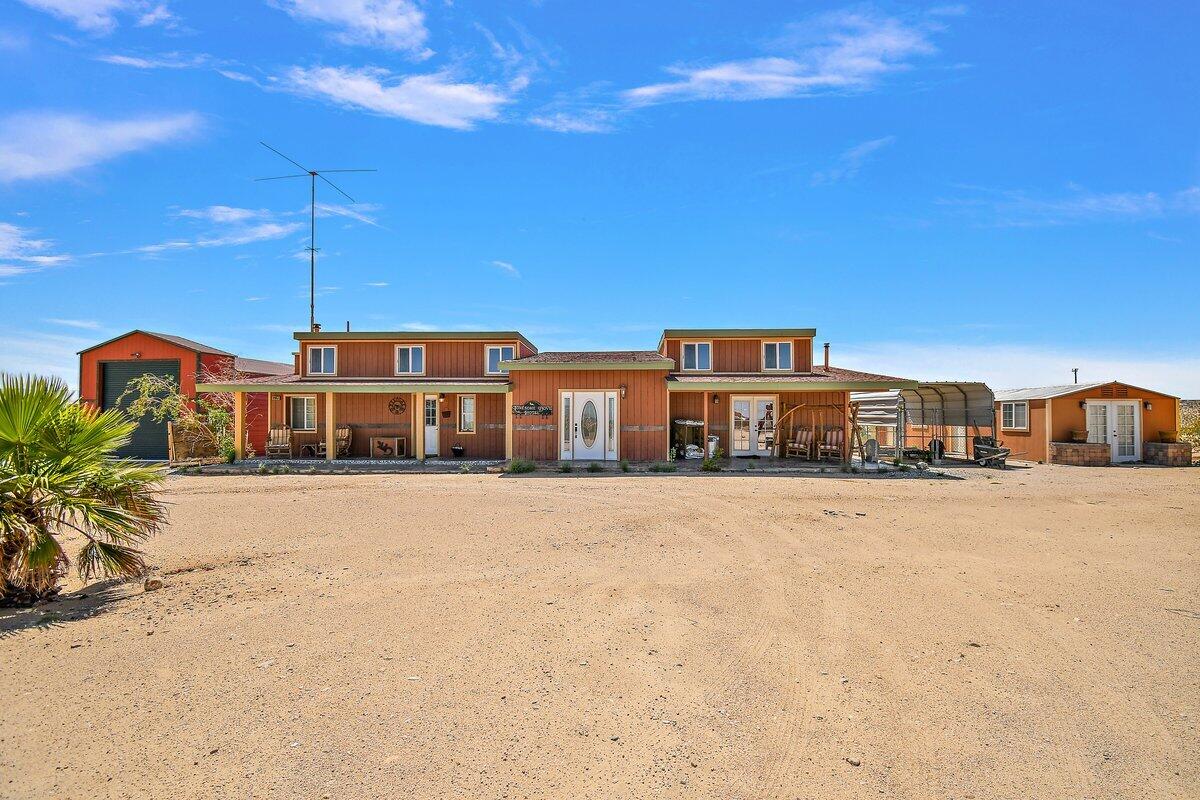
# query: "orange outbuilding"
[1090,424]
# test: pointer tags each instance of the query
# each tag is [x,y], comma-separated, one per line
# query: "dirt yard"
[1021,634]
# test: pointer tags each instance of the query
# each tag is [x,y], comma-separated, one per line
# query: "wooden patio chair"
[279,442]
[801,443]
[831,446]
[341,443]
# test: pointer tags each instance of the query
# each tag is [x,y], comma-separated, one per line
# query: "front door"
[589,426]
[431,425]
[752,426]
[1117,425]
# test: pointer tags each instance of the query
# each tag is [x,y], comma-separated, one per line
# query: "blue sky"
[990,191]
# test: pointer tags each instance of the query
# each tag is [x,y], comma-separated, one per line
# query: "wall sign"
[532,409]
[397,405]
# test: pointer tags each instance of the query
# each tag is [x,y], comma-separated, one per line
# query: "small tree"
[204,423]
[58,478]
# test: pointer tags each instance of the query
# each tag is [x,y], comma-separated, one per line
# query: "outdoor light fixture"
[1083,403]
[622,391]
[716,399]
[137,354]
[1147,405]
[442,397]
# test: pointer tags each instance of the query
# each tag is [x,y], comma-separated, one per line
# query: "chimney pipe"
[316,327]
[347,326]
[827,355]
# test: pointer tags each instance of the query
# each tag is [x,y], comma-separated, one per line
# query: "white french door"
[1117,424]
[590,428]
[752,426]
[431,425]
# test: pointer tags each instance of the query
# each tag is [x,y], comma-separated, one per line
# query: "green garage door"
[150,438]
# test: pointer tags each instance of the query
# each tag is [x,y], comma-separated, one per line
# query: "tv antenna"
[312,175]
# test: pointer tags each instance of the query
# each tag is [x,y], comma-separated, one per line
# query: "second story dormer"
[739,351]
[408,354]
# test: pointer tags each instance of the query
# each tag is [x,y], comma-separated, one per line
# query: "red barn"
[107,368]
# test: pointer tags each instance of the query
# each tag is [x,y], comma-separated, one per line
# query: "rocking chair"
[801,444]
[279,442]
[831,446]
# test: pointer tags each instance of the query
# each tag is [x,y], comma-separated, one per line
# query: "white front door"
[752,426]
[1117,424]
[431,425]
[590,427]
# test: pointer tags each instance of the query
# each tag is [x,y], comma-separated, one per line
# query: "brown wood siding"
[149,348]
[643,410]
[377,359]
[1028,445]
[742,355]
[488,439]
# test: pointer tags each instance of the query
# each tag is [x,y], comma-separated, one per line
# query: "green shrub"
[594,467]
[663,466]
[228,451]
[712,463]
[263,469]
[464,469]
[564,466]
[624,465]
[519,465]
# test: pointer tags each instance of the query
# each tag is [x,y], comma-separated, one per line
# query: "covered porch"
[331,420]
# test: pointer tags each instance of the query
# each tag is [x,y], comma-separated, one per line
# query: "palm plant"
[58,479]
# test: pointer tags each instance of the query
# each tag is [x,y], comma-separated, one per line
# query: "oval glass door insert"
[589,423]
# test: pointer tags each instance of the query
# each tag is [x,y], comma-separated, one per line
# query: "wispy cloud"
[507,268]
[417,326]
[52,144]
[1078,205]
[845,51]
[237,235]
[21,253]
[224,214]
[36,353]
[436,98]
[1016,366]
[390,24]
[85,324]
[161,61]
[586,120]
[376,284]
[852,160]
[100,16]
[359,212]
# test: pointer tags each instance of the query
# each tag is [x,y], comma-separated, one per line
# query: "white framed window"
[495,354]
[322,360]
[410,359]
[696,356]
[1014,416]
[777,356]
[302,413]
[565,424]
[466,413]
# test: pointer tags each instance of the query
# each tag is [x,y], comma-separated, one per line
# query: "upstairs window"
[697,356]
[1014,416]
[410,359]
[496,354]
[322,360]
[777,356]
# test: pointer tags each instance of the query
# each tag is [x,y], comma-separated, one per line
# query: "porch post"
[419,426]
[508,424]
[846,448]
[239,425]
[330,429]
[704,438]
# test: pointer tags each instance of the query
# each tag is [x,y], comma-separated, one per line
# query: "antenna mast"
[312,175]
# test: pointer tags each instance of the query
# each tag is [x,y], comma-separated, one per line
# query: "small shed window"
[1014,416]
[322,360]
[302,413]
[697,356]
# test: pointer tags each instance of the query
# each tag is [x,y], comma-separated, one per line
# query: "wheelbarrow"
[988,452]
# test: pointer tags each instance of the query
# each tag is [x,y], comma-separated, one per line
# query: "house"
[493,395]
[1090,424]
[106,369]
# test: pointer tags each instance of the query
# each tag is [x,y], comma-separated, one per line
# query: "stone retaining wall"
[1178,454]
[1080,454]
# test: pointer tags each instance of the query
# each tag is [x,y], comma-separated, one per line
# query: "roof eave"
[433,336]
[316,387]
[786,386]
[582,365]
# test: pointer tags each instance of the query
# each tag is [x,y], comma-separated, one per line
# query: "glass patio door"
[752,426]
[1117,425]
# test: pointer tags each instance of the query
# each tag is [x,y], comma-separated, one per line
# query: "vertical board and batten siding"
[690,405]
[742,355]
[377,359]
[643,410]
